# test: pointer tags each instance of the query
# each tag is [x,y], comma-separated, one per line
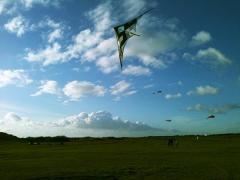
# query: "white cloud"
[2,6]
[101,120]
[148,86]
[105,47]
[204,90]
[47,87]
[18,25]
[101,17]
[136,70]
[76,90]
[56,29]
[108,64]
[214,110]
[129,93]
[54,53]
[196,107]
[173,96]
[200,38]
[11,6]
[159,40]
[209,56]
[83,40]
[212,53]
[51,55]
[30,3]
[16,77]
[99,45]
[95,124]
[55,34]
[12,117]
[120,87]
[48,22]
[134,7]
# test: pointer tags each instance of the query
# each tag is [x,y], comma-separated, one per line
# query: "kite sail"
[124,32]
[211,117]
[157,92]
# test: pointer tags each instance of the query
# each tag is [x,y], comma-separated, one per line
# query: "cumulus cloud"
[10,7]
[100,123]
[136,70]
[214,110]
[101,120]
[173,96]
[48,87]
[55,34]
[105,47]
[98,45]
[18,25]
[17,77]
[204,90]
[54,53]
[209,56]
[200,38]
[156,47]
[83,40]
[51,55]
[101,17]
[76,90]
[122,88]
[108,64]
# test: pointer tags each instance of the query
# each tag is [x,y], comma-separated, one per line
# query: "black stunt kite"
[124,32]
[157,92]
[210,117]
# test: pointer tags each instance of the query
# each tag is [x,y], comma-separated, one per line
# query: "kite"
[124,32]
[211,117]
[168,120]
[157,92]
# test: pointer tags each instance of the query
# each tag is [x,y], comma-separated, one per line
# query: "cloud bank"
[100,123]
[214,110]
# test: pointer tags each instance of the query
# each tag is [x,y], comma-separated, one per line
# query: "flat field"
[211,157]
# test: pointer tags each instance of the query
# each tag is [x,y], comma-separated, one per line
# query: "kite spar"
[124,32]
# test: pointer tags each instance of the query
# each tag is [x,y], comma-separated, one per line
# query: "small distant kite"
[157,92]
[168,120]
[124,32]
[210,117]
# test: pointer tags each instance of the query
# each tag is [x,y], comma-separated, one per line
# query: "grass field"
[211,157]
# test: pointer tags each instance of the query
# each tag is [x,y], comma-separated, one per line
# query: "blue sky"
[60,72]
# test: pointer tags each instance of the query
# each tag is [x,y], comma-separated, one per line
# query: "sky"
[60,71]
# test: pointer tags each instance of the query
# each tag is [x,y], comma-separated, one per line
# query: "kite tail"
[120,62]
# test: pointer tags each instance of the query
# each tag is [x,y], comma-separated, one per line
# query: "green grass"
[212,157]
